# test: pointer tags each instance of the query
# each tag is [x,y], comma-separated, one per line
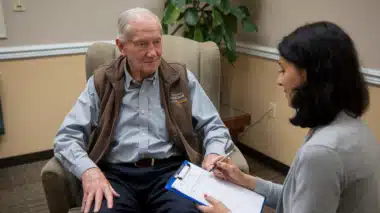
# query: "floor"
[21,189]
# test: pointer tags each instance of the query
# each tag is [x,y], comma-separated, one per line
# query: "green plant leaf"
[189,32]
[230,23]
[229,41]
[171,14]
[165,28]
[239,13]
[191,16]
[248,26]
[217,18]
[212,2]
[216,34]
[198,34]
[171,2]
[225,6]
[189,1]
[245,10]
[180,3]
[231,55]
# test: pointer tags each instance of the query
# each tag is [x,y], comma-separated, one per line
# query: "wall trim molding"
[372,76]
[43,50]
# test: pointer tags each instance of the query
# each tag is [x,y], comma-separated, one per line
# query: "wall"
[277,18]
[57,21]
[36,94]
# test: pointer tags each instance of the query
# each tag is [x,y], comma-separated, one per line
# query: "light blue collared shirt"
[141,130]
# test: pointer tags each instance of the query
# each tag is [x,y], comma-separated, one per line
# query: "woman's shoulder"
[343,134]
[347,140]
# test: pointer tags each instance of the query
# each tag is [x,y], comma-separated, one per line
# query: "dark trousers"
[143,189]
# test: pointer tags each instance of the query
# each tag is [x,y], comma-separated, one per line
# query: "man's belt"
[150,162]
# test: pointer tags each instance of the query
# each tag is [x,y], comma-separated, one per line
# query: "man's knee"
[180,204]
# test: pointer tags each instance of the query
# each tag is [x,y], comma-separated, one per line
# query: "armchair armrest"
[238,159]
[61,187]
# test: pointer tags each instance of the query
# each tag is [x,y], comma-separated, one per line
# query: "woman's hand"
[216,206]
[230,172]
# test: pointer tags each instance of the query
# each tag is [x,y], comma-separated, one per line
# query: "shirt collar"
[129,79]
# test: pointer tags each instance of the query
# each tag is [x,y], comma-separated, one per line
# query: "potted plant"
[208,20]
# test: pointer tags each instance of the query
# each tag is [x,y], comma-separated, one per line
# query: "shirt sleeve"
[215,134]
[70,143]
[318,176]
[271,191]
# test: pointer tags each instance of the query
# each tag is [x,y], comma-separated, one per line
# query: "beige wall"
[251,85]
[360,18]
[61,21]
[36,94]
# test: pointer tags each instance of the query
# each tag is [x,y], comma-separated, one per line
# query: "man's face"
[143,47]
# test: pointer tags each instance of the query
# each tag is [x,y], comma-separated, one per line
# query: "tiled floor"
[21,189]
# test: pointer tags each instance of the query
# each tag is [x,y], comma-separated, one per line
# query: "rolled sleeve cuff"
[216,147]
[83,165]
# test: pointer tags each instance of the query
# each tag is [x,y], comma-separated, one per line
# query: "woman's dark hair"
[334,81]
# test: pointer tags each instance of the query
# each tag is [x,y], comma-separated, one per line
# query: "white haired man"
[143,114]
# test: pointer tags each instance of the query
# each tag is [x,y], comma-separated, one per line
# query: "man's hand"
[95,184]
[209,161]
[216,206]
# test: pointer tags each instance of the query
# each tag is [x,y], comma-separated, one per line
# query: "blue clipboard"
[180,174]
[185,165]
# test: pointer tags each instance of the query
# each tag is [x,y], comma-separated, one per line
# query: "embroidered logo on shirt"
[178,98]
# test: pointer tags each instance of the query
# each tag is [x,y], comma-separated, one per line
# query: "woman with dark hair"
[336,169]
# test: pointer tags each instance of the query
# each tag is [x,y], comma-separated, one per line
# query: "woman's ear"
[303,75]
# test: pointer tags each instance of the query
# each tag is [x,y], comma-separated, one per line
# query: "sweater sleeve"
[270,190]
[318,174]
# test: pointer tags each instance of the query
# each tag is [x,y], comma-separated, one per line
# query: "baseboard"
[27,158]
[277,165]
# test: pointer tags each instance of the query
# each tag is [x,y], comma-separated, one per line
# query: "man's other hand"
[209,161]
[95,185]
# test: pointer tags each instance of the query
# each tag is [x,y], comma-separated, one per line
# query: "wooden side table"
[235,120]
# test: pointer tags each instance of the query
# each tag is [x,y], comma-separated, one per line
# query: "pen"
[226,156]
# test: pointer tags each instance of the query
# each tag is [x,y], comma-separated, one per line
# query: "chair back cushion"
[203,59]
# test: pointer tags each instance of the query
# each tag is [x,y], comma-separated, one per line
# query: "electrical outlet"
[272,105]
[18,6]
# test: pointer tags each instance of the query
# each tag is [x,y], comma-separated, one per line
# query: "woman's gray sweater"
[336,170]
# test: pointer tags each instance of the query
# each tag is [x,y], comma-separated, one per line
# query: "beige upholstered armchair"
[203,59]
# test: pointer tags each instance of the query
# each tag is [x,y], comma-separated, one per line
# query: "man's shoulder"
[179,67]
[100,71]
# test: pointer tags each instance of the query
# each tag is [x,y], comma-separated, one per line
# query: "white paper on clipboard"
[194,182]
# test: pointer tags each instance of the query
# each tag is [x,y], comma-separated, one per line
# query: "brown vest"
[109,84]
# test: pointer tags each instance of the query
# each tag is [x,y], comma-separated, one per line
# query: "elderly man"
[143,116]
